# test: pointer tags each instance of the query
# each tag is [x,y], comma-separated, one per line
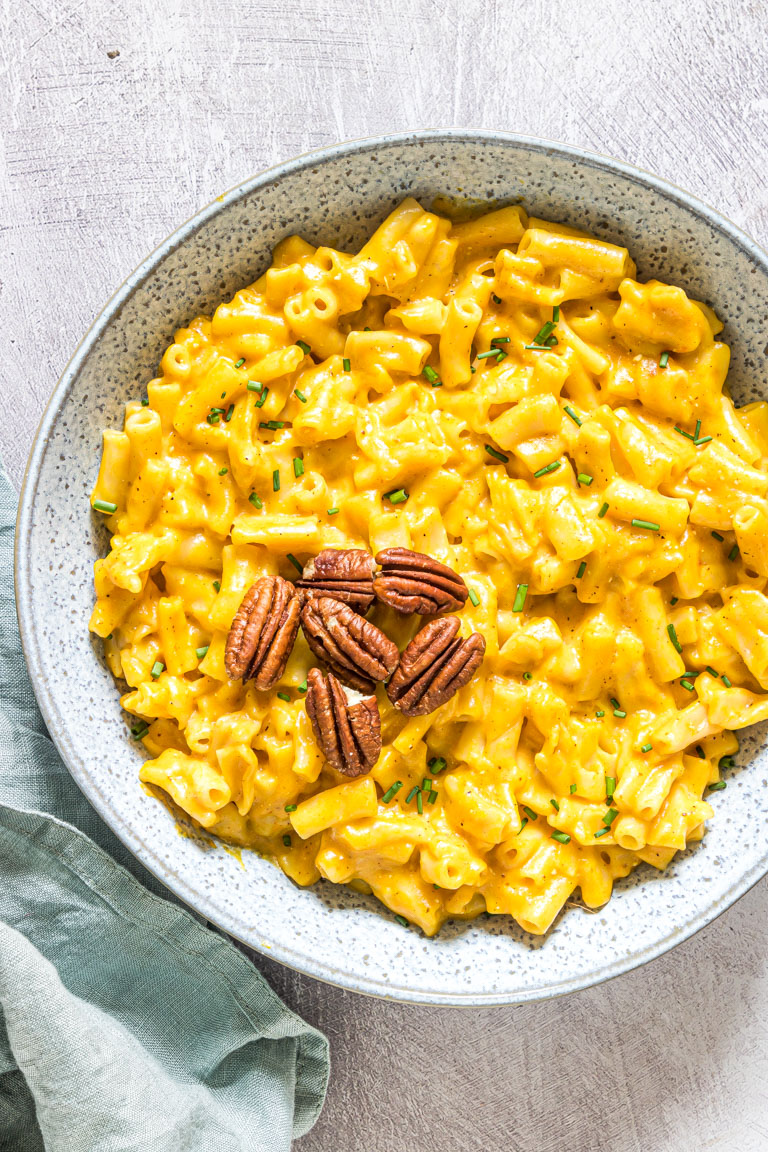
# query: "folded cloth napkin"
[126,1025]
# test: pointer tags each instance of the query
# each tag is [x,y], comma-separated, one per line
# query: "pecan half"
[344,573]
[434,666]
[413,582]
[356,651]
[346,724]
[263,632]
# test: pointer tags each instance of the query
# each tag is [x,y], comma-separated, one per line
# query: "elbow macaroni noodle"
[614,541]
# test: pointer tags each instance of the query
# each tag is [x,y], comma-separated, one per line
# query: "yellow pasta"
[504,395]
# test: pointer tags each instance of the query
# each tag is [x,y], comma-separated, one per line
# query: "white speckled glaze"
[337,197]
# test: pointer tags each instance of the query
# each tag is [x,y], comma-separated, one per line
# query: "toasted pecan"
[344,573]
[346,724]
[356,651]
[433,667]
[263,632]
[414,582]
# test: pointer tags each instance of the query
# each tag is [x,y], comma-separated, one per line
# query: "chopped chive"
[346,364]
[555,804]
[299,395]
[556,313]
[431,375]
[619,713]
[582,570]
[332,511]
[686,434]
[687,685]
[718,787]
[217,585]
[254,386]
[255,500]
[727,762]
[437,763]
[536,347]
[291,807]
[562,837]
[412,793]
[156,669]
[647,524]
[472,369]
[391,791]
[426,784]
[702,440]
[496,299]
[213,417]
[200,652]
[284,696]
[304,346]
[529,812]
[396,496]
[520,595]
[140,731]
[145,403]
[712,671]
[700,752]
[500,340]
[105,506]
[496,454]
[733,552]
[432,796]
[302,687]
[663,359]
[602,832]
[262,398]
[610,816]
[570,412]
[420,803]
[584,478]
[298,466]
[273,425]
[690,675]
[572,789]
[673,637]
[548,468]
[697,433]
[401,920]
[725,680]
[718,536]
[287,840]
[485,355]
[527,676]
[220,411]
[276,480]
[223,471]
[600,712]
[240,362]
[544,332]
[299,567]
[603,511]
[674,600]
[501,355]
[474,598]
[228,414]
[615,702]
[646,747]
[523,824]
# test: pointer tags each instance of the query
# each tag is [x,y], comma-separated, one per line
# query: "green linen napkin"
[125,1024]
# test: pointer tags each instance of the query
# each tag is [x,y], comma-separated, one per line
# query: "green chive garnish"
[619,713]
[397,496]
[156,669]
[562,837]
[673,601]
[496,454]
[240,362]
[420,803]
[702,440]
[431,375]
[687,685]
[346,364]
[200,652]
[217,585]
[299,567]
[298,466]
[287,840]
[437,763]
[544,332]
[725,680]
[254,386]
[412,793]
[520,595]
[582,570]
[646,747]
[284,696]
[615,702]
[302,687]
[697,433]
[600,712]
[140,731]
[536,347]
[663,359]
[733,552]
[686,434]
[213,417]
[255,500]
[603,511]
[523,824]
[391,791]
[718,787]
[584,478]
[500,340]
[727,762]
[300,395]
[555,804]
[426,784]
[401,920]
[276,480]
[485,355]
[262,398]
[548,468]
[105,506]
[304,346]
[712,671]
[570,412]
[332,511]
[717,536]
[273,425]
[291,807]
[474,598]
[647,524]
[610,816]
[673,637]
[432,796]
[700,752]
[572,789]
[223,471]
[602,832]
[145,403]
[527,676]
[556,313]
[496,299]
[529,812]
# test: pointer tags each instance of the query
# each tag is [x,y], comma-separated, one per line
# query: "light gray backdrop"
[102,157]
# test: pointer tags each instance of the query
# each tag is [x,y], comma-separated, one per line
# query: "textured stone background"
[101,158]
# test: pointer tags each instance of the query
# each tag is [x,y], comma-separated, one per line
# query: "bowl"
[337,197]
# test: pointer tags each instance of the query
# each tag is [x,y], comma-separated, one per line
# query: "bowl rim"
[176,883]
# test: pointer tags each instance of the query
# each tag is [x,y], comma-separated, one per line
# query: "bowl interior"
[337,197]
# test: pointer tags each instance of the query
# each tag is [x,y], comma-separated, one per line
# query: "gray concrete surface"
[103,155]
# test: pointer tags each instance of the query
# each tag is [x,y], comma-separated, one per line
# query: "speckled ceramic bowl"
[337,197]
